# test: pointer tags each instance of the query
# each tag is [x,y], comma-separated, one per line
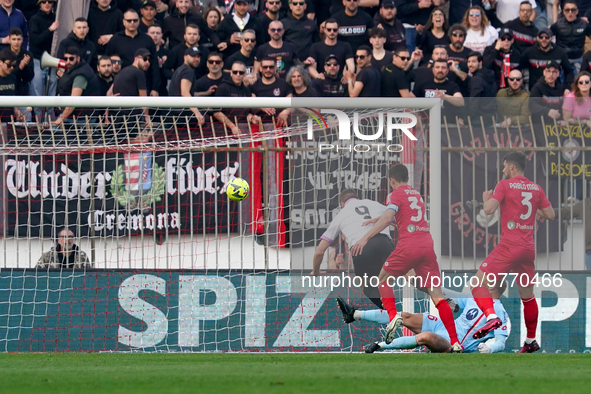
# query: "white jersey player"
[349,222]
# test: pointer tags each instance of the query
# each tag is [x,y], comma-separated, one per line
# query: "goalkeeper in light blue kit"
[431,332]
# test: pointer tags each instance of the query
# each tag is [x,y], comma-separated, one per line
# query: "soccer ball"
[238,189]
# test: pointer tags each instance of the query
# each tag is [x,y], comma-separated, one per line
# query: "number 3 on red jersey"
[414,204]
[527,196]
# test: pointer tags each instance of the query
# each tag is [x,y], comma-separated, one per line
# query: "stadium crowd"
[453,49]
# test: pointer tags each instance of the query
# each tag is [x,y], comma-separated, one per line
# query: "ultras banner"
[116,194]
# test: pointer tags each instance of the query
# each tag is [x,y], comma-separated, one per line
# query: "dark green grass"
[294,373]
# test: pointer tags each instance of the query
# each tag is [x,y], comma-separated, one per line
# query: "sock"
[529,340]
[388,299]
[483,300]
[530,315]
[447,317]
[374,296]
[379,316]
[400,343]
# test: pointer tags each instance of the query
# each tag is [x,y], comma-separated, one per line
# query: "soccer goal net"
[117,233]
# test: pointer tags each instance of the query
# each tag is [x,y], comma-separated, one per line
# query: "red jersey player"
[413,251]
[520,200]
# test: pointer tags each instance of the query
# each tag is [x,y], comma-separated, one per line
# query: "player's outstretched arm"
[319,255]
[381,224]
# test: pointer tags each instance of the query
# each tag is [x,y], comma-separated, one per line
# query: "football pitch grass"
[294,373]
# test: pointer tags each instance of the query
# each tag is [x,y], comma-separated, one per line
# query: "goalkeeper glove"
[484,348]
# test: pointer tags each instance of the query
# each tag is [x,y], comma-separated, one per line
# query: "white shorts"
[435,325]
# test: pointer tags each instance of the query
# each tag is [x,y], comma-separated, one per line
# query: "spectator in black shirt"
[456,50]
[422,73]
[284,53]
[271,86]
[299,30]
[524,31]
[183,80]
[482,87]
[207,84]
[155,32]
[386,19]
[117,63]
[535,58]
[41,27]
[79,79]
[105,74]
[440,86]
[131,81]
[330,46]
[395,81]
[245,55]
[502,57]
[176,56]
[570,32]
[413,13]
[104,21]
[175,23]
[233,25]
[367,82]
[299,80]
[330,85]
[272,13]
[547,95]
[125,44]
[234,119]
[78,38]
[380,57]
[8,84]
[353,24]
[212,17]
[25,69]
[433,34]
[148,18]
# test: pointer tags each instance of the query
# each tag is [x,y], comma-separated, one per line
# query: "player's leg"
[435,343]
[446,315]
[479,286]
[530,316]
[389,301]
[369,265]
[500,260]
[350,313]
[428,273]
[412,321]
[530,305]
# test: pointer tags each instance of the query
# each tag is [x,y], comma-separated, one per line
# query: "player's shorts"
[375,252]
[504,259]
[435,325]
[422,260]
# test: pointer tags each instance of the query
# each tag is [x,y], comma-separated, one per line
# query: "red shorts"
[422,260]
[504,259]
